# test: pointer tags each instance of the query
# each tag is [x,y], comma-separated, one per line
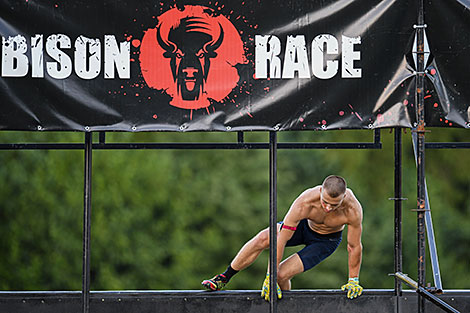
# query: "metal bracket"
[420,26]
[420,210]
[422,291]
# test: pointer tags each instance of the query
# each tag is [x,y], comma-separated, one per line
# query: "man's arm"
[354,241]
[355,254]
[292,219]
[354,249]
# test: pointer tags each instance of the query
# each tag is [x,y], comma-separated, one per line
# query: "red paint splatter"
[323,122]
[436,105]
[136,94]
[136,43]
[358,116]
[249,114]
[155,116]
[450,124]
[341,113]
[129,38]
[433,71]
[222,77]
[380,118]
[405,102]
[428,96]
[301,119]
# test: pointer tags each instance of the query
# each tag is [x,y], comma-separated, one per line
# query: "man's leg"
[251,250]
[245,257]
[287,269]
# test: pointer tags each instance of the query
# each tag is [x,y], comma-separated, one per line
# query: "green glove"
[265,289]
[353,288]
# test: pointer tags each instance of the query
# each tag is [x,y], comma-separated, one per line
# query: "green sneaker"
[215,283]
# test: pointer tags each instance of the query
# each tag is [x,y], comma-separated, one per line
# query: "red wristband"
[289,227]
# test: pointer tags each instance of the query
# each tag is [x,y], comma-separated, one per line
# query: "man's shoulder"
[351,196]
[312,190]
[310,193]
[354,206]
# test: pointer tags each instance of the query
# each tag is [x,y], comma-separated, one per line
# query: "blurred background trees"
[169,219]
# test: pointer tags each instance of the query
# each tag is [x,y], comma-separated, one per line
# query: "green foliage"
[167,219]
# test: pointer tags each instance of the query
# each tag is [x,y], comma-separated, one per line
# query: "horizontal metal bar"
[197,293]
[176,146]
[447,145]
[42,146]
[330,145]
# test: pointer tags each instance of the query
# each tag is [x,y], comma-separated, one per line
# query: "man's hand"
[265,289]
[353,288]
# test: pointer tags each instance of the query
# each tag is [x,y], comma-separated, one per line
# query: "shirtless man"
[316,219]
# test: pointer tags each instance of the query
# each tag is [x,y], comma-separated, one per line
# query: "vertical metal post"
[398,209]
[429,230]
[421,154]
[87,224]
[240,137]
[273,221]
[102,138]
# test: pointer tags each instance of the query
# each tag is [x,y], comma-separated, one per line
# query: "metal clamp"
[420,26]
[420,210]
[420,131]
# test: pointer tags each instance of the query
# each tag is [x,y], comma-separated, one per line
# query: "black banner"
[228,65]
[448,72]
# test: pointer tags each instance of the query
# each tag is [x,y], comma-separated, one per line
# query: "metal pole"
[398,209]
[87,225]
[430,231]
[421,154]
[273,221]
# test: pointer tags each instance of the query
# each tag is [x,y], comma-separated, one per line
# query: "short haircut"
[334,185]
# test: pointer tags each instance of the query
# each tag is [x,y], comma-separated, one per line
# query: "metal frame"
[272,146]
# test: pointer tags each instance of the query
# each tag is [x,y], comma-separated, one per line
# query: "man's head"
[333,192]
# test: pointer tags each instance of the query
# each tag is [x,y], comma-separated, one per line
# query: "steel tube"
[430,230]
[421,153]
[191,145]
[398,208]
[87,224]
[273,221]
[425,294]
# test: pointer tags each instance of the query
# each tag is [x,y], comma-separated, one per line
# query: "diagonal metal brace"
[429,225]
[426,294]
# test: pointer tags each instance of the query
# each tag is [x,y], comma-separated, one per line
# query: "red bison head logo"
[191,55]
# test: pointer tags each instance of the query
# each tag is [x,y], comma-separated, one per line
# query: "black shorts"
[317,246]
